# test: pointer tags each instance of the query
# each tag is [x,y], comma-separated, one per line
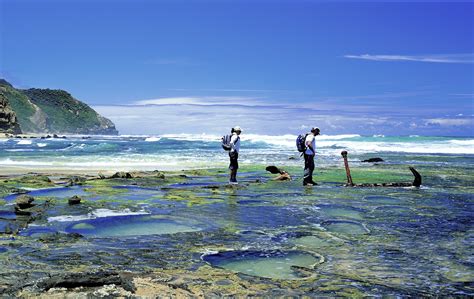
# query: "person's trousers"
[233,166]
[308,169]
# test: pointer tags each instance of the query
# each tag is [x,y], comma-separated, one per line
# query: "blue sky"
[394,68]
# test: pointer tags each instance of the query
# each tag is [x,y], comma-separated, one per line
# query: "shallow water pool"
[125,226]
[272,264]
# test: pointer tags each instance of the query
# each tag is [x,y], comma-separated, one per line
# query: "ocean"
[188,151]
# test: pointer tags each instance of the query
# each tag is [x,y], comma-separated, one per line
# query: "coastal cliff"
[52,111]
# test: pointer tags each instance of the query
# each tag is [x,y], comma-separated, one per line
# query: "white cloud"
[449,122]
[202,101]
[214,115]
[439,58]
[215,119]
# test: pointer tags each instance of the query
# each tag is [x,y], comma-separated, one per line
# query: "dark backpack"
[301,142]
[226,142]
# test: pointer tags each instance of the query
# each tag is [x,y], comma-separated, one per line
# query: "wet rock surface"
[75,200]
[130,237]
[24,201]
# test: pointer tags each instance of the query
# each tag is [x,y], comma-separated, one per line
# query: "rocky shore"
[141,234]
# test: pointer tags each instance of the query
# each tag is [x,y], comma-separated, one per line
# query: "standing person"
[234,154]
[309,153]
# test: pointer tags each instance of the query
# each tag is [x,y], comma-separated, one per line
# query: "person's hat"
[237,128]
[315,129]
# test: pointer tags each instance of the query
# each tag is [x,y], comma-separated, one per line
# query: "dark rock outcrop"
[374,160]
[96,279]
[76,180]
[24,201]
[74,200]
[122,175]
[8,121]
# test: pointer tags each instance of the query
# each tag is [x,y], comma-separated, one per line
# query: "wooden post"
[348,171]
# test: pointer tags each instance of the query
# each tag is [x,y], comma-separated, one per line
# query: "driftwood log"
[416,182]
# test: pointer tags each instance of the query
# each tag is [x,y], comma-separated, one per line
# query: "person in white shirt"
[309,154]
[234,154]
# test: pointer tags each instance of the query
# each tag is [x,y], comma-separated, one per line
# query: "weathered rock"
[21,212]
[24,201]
[122,175]
[76,180]
[373,160]
[74,200]
[96,279]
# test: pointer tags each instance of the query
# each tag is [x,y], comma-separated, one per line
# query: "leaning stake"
[348,171]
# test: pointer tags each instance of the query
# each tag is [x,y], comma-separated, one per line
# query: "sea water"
[187,151]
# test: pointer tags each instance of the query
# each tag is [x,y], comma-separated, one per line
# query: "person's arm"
[233,140]
[309,144]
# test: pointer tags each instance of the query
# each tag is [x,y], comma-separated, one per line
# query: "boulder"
[24,201]
[74,200]
[373,160]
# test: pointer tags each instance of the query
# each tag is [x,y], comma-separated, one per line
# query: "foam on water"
[152,139]
[188,151]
